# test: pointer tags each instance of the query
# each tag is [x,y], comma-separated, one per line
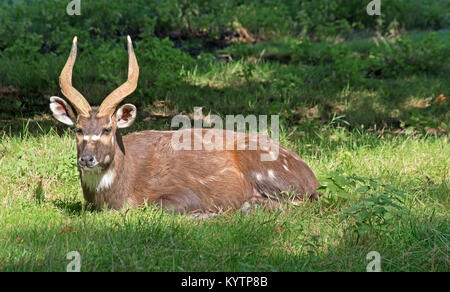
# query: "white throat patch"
[95,180]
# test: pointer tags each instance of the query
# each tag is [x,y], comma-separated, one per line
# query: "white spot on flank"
[271,174]
[258,176]
[226,170]
[107,159]
[273,155]
[285,167]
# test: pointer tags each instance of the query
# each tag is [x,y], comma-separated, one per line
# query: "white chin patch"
[96,180]
[106,181]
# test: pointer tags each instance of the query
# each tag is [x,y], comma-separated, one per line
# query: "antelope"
[143,166]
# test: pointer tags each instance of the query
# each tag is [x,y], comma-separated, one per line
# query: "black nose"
[86,161]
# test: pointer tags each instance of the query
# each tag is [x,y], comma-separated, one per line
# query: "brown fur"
[149,169]
[144,166]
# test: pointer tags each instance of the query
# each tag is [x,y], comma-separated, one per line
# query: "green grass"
[387,128]
[34,234]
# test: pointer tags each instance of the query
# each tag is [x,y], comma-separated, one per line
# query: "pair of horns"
[110,103]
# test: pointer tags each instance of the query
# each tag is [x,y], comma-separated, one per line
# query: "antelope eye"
[79,131]
[107,131]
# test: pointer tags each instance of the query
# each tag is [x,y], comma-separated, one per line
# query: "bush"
[35,75]
[264,19]
[375,205]
[35,39]
[404,56]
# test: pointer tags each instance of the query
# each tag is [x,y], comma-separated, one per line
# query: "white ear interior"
[126,115]
[62,111]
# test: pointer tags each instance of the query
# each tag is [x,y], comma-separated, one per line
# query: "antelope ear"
[126,115]
[62,111]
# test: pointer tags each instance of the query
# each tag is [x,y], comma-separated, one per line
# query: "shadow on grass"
[73,208]
[386,96]
[155,241]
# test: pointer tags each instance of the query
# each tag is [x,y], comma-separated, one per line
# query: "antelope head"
[96,127]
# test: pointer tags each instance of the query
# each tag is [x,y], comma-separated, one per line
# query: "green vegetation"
[362,99]
[37,230]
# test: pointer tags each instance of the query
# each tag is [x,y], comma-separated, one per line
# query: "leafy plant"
[375,211]
[376,203]
[247,71]
[401,55]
